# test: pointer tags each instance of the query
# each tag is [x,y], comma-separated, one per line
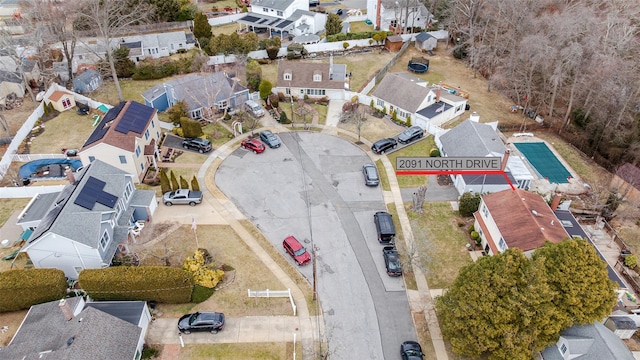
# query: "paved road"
[317,177]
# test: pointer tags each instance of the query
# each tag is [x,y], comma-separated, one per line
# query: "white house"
[127,138]
[314,80]
[396,15]
[410,96]
[73,329]
[280,17]
[83,226]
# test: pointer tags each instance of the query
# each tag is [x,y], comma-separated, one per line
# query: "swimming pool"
[47,168]
[544,161]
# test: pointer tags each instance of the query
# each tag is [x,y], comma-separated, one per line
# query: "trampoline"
[544,161]
[47,168]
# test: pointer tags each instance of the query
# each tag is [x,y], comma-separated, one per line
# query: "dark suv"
[199,144]
[412,133]
[384,227]
[381,146]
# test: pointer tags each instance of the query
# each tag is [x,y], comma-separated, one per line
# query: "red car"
[296,250]
[253,144]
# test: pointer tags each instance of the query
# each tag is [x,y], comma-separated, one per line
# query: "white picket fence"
[273,293]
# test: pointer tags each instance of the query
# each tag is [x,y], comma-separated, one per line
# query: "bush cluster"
[144,283]
[353,36]
[22,288]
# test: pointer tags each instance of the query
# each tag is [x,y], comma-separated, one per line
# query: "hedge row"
[22,288]
[146,283]
[354,36]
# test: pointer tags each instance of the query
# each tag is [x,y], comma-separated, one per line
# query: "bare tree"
[302,111]
[110,19]
[418,199]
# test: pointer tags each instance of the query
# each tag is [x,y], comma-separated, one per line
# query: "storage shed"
[393,43]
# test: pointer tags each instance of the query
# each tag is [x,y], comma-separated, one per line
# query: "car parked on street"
[253,145]
[292,246]
[411,350]
[199,144]
[392,261]
[370,173]
[201,321]
[272,140]
[411,134]
[384,145]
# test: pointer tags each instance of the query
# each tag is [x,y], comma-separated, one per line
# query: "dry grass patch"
[372,129]
[270,72]
[360,26]
[418,148]
[131,90]
[246,351]
[424,335]
[68,130]
[12,320]
[226,28]
[226,248]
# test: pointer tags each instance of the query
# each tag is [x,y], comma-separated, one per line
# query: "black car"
[392,261]
[381,146]
[270,139]
[411,350]
[199,144]
[339,12]
[411,134]
[370,173]
[201,321]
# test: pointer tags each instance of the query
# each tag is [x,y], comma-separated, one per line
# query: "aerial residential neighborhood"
[293,179]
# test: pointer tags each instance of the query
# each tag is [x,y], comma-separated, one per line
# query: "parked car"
[182,197]
[253,108]
[271,139]
[253,144]
[384,227]
[392,261]
[411,350]
[370,173]
[296,250]
[201,321]
[411,134]
[199,144]
[338,12]
[383,145]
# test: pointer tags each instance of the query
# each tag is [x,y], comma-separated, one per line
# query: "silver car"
[370,173]
[411,134]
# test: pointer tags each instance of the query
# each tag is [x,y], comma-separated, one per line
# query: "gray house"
[587,342]
[471,138]
[204,94]
[85,224]
[425,41]
[87,81]
[71,329]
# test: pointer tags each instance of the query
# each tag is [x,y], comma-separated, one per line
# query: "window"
[142,166]
[287,91]
[222,105]
[66,103]
[78,269]
[265,9]
[485,211]
[563,348]
[91,158]
[104,240]
[380,103]
[138,151]
[146,134]
[502,245]
[128,190]
[317,77]
[287,76]
[123,159]
[153,124]
[279,13]
[429,98]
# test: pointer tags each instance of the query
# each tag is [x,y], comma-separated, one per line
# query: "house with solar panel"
[283,17]
[88,222]
[126,138]
[204,95]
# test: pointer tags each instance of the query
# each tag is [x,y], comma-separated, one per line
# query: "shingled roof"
[401,92]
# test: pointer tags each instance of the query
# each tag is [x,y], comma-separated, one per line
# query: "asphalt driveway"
[312,188]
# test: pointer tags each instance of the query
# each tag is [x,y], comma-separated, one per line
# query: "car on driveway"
[253,144]
[201,321]
[384,145]
[411,134]
[296,250]
[370,173]
[411,350]
[199,144]
[272,140]
[392,261]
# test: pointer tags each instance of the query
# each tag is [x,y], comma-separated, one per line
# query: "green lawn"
[57,136]
[360,26]
[441,243]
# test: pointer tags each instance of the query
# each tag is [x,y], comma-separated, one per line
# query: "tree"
[469,203]
[165,10]
[195,186]
[165,183]
[184,184]
[333,25]
[254,74]
[112,18]
[201,27]
[178,111]
[579,278]
[174,181]
[265,89]
[500,306]
[125,67]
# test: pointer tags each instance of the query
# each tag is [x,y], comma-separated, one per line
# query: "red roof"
[524,219]
[57,95]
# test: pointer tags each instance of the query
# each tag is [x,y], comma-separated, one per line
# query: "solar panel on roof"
[135,118]
[107,199]
[262,21]
[249,18]
[284,24]
[274,21]
[93,192]
[102,127]
[85,201]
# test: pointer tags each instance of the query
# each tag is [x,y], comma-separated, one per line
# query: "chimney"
[555,202]
[474,117]
[330,65]
[505,158]
[69,174]
[438,93]
[66,310]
